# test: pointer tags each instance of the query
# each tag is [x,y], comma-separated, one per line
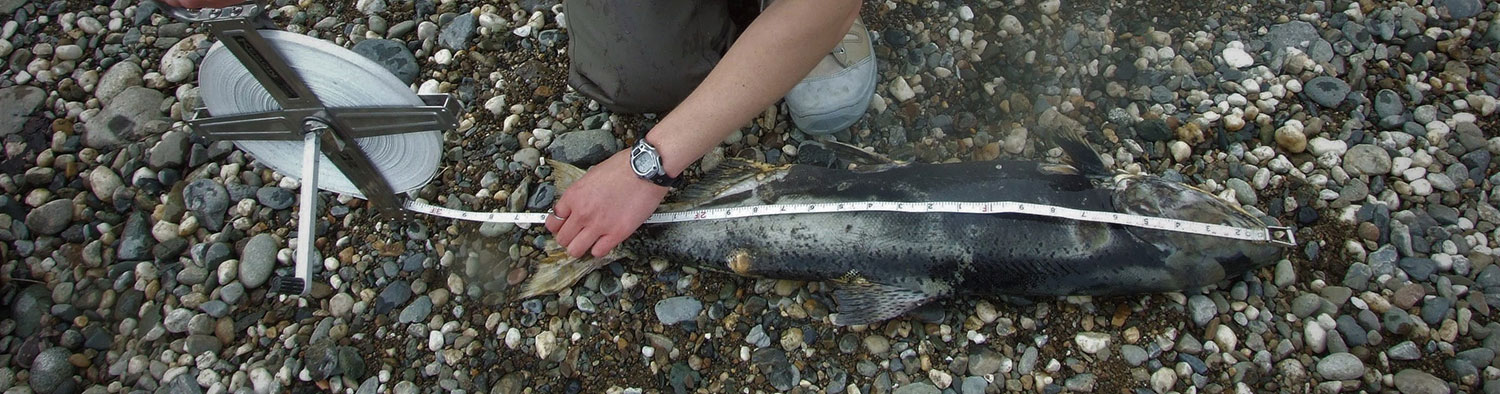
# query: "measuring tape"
[1279,235]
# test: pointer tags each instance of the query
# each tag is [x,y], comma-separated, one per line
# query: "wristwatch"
[646,163]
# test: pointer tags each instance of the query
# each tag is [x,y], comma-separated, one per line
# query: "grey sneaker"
[838,90]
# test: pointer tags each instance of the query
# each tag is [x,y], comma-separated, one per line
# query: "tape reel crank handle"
[307,253]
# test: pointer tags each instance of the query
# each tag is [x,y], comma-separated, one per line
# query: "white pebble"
[1180,150]
[1236,57]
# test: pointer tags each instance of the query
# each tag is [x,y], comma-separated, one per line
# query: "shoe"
[838,90]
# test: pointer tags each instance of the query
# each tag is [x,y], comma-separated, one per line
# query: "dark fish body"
[885,263]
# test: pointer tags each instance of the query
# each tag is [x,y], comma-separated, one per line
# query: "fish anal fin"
[864,302]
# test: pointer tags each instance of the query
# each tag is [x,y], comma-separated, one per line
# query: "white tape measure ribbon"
[1274,234]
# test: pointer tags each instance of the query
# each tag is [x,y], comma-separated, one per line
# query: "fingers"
[559,214]
[605,244]
[585,240]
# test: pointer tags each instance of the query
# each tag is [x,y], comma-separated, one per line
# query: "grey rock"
[394,295]
[917,388]
[1418,268]
[132,115]
[135,239]
[778,370]
[9,6]
[1413,381]
[1388,103]
[1367,159]
[758,337]
[183,384]
[392,55]
[171,151]
[215,308]
[1306,304]
[16,105]
[984,361]
[1081,383]
[208,201]
[1326,91]
[35,300]
[1294,34]
[456,33]
[1201,309]
[275,198]
[973,385]
[1357,276]
[325,360]
[232,293]
[50,218]
[199,344]
[584,147]
[417,311]
[1460,9]
[1134,355]
[1479,357]
[1341,366]
[677,309]
[120,76]
[257,260]
[50,369]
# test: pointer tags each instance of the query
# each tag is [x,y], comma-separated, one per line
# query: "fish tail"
[564,174]
[559,271]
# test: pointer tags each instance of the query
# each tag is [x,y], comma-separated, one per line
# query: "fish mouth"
[1153,196]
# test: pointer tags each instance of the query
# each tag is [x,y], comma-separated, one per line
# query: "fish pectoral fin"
[865,302]
[559,271]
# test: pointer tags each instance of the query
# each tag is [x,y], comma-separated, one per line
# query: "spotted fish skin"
[878,258]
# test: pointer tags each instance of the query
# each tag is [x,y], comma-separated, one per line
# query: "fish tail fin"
[564,174]
[864,302]
[559,271]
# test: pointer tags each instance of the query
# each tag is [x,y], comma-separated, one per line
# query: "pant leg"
[638,56]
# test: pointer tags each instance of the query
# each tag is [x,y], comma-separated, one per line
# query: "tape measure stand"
[303,117]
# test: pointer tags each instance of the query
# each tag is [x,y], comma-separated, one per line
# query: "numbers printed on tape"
[1273,234]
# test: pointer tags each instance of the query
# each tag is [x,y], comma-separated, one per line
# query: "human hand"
[603,208]
[194,4]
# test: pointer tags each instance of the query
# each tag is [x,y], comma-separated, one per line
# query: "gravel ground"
[136,256]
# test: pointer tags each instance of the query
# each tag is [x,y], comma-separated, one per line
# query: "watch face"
[643,164]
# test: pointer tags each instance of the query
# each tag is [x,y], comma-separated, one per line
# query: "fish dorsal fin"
[861,301]
[716,181]
[1068,135]
[1084,158]
[854,154]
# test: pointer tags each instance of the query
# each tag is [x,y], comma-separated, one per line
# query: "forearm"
[775,52]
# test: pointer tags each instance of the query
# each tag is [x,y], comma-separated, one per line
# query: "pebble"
[677,310]
[1091,342]
[417,311]
[208,201]
[1413,381]
[257,260]
[1366,159]
[17,103]
[1326,91]
[1237,57]
[50,369]
[456,33]
[116,79]
[391,55]
[583,148]
[50,218]
[1341,366]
